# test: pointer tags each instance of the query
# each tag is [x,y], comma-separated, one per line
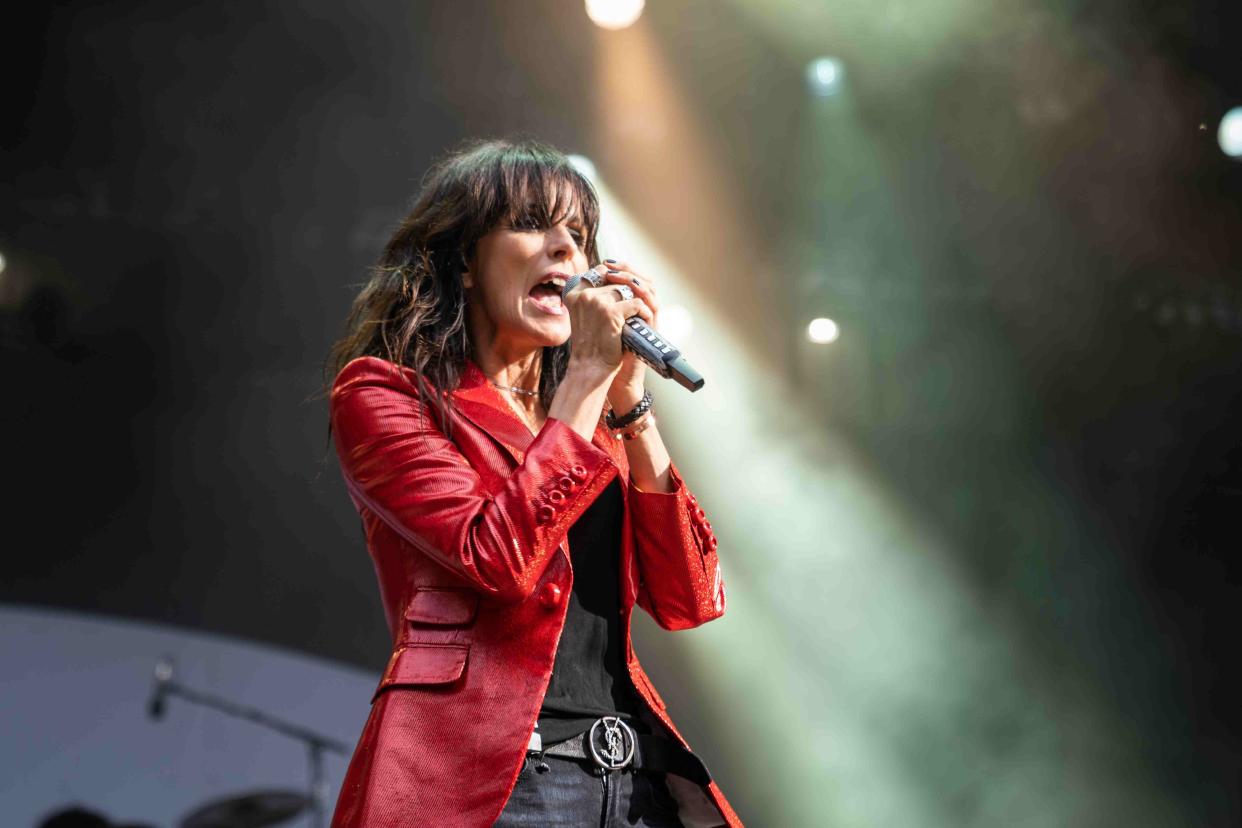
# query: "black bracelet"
[644,405]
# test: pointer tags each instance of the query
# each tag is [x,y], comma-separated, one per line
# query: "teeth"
[559,283]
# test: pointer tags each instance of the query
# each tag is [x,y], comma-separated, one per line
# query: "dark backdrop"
[192,192]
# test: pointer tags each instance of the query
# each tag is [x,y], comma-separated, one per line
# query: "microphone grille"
[592,278]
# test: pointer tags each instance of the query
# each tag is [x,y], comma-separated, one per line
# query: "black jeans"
[575,794]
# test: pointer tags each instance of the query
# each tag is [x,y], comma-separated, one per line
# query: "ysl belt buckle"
[612,743]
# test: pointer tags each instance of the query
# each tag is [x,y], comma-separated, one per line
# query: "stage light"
[822,330]
[825,76]
[1230,133]
[2,263]
[676,323]
[827,565]
[614,14]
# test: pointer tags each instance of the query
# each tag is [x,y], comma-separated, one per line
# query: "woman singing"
[517,502]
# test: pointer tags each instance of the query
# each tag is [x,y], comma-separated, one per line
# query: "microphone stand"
[316,743]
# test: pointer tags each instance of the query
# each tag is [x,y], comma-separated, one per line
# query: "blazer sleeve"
[680,581]
[398,463]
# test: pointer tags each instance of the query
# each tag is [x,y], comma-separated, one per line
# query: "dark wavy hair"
[412,309]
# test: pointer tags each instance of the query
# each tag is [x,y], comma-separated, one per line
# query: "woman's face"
[515,279]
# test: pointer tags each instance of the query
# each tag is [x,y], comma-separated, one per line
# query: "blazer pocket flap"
[442,607]
[424,664]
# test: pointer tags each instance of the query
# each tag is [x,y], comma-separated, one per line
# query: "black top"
[589,678]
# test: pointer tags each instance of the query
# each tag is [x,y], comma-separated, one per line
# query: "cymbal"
[252,810]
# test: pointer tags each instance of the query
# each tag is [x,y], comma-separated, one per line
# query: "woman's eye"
[527,222]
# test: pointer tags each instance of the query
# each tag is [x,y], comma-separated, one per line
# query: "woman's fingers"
[605,308]
[636,307]
[611,302]
[598,314]
[625,272]
[620,273]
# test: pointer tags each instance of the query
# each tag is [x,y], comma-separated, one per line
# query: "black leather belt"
[613,745]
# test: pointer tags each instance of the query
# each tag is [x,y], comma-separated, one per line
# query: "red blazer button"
[556,497]
[579,473]
[550,596]
[566,484]
[711,544]
[545,515]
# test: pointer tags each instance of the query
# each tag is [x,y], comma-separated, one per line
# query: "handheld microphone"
[656,351]
[159,690]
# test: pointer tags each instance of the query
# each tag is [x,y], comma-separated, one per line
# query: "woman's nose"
[561,244]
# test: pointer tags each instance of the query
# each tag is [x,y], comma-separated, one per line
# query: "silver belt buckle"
[612,743]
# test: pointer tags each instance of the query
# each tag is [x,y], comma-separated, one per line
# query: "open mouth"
[547,295]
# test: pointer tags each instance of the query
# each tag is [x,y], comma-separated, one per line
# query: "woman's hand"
[598,368]
[648,458]
[597,317]
[627,387]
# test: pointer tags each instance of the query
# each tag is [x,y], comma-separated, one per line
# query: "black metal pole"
[317,792]
[316,743]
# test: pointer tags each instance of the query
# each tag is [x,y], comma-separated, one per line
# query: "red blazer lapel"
[482,405]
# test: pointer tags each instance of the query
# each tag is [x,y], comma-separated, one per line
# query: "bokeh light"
[825,76]
[822,330]
[614,14]
[1230,133]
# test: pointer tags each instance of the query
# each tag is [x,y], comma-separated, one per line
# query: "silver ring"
[624,292]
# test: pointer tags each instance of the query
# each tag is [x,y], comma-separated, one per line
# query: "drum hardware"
[272,806]
[258,809]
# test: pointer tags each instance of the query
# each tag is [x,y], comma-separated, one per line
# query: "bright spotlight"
[1230,133]
[614,14]
[676,323]
[825,76]
[821,331]
[2,263]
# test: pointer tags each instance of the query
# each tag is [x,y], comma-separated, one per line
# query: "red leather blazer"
[468,538]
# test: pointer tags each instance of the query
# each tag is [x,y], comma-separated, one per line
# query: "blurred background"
[964,279]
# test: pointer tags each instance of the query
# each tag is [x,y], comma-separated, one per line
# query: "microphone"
[656,351]
[160,689]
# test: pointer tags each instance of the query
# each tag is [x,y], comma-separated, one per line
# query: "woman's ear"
[467,279]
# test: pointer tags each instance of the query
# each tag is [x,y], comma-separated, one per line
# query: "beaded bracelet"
[643,406]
